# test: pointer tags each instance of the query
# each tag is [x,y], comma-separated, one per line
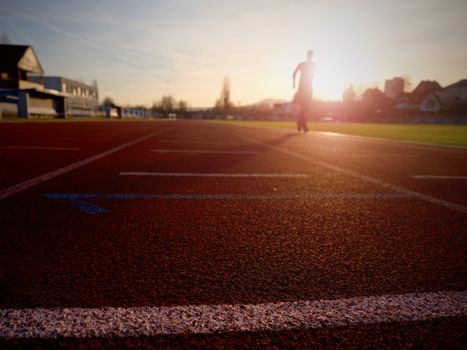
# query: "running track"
[196,234]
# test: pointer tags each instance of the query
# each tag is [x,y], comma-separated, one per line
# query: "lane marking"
[207,319]
[225,196]
[80,199]
[77,138]
[399,189]
[9,191]
[379,155]
[199,142]
[142,173]
[41,148]
[341,150]
[439,177]
[60,138]
[201,151]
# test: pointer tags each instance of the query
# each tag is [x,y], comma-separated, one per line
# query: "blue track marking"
[87,207]
[80,199]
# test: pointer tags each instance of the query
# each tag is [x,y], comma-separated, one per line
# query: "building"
[111,110]
[403,103]
[82,100]
[19,96]
[425,88]
[16,64]
[412,102]
[135,112]
[455,93]
[430,97]
[431,104]
[394,87]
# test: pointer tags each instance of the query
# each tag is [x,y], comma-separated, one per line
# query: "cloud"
[51,26]
[17,29]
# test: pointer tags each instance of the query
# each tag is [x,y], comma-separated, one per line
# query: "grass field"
[451,135]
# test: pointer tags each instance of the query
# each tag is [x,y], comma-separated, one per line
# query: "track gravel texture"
[96,238]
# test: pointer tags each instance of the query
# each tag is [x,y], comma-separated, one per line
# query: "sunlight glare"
[343,55]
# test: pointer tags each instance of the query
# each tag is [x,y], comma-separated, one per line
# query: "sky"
[139,50]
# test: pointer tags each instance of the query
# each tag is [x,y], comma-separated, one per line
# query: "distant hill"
[267,103]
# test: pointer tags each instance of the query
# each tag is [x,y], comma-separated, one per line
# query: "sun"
[333,72]
[338,66]
[330,80]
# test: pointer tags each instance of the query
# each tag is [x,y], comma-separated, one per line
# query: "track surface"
[345,218]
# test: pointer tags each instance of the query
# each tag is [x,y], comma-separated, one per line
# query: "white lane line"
[41,148]
[142,173]
[439,177]
[365,178]
[198,142]
[376,155]
[7,192]
[201,151]
[207,319]
[61,138]
[76,138]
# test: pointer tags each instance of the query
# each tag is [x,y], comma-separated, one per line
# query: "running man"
[304,93]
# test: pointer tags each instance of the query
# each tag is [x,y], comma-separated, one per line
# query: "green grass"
[450,135]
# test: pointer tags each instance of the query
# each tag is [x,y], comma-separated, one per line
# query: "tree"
[168,103]
[108,101]
[182,106]
[165,106]
[374,97]
[374,102]
[224,104]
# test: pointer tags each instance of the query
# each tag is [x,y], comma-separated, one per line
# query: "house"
[411,102]
[403,103]
[17,62]
[432,103]
[451,97]
[455,93]
[423,89]
[19,96]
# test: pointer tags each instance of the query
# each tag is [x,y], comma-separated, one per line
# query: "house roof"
[460,83]
[425,88]
[11,55]
[19,56]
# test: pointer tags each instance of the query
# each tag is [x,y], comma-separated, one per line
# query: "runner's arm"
[294,75]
